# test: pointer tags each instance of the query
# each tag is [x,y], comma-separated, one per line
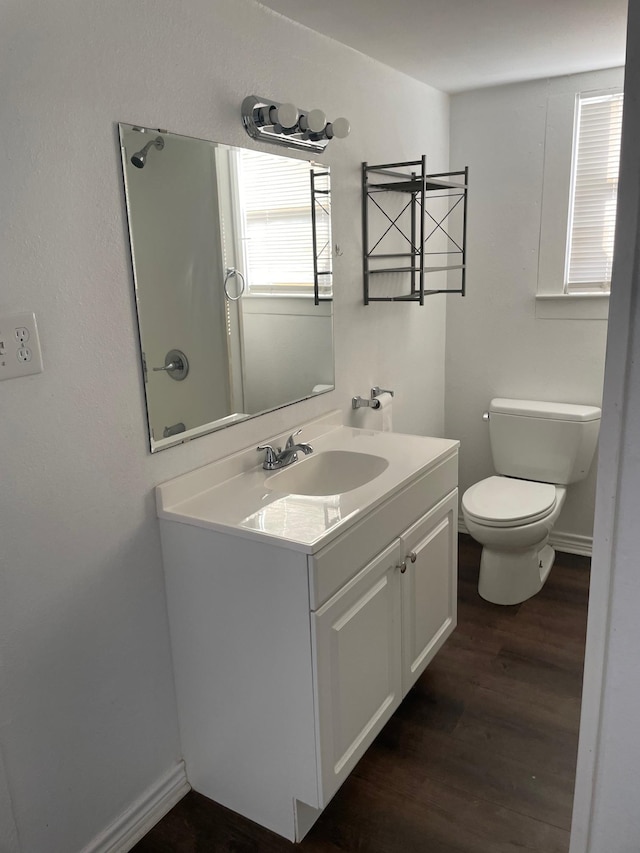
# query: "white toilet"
[538,450]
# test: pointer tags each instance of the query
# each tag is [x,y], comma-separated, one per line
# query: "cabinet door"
[429,586]
[357,639]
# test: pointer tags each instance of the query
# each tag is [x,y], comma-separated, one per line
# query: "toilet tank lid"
[540,409]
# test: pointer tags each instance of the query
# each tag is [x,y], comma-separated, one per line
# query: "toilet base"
[509,577]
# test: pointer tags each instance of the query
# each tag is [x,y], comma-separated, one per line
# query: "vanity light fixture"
[286,124]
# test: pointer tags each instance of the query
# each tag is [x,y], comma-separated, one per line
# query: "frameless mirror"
[231,252]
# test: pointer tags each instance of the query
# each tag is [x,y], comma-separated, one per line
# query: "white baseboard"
[570,543]
[143,814]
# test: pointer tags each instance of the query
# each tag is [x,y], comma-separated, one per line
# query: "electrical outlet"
[20,352]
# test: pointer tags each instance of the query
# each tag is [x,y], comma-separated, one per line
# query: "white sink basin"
[312,501]
[331,472]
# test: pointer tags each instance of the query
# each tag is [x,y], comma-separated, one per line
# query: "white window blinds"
[594,192]
[275,208]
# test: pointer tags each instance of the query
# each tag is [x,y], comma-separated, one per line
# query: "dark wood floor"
[479,758]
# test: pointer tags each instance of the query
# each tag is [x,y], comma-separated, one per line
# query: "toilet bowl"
[538,449]
[512,519]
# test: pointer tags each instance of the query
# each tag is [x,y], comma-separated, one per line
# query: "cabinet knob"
[412,557]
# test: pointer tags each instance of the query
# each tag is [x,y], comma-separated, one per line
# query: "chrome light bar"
[287,125]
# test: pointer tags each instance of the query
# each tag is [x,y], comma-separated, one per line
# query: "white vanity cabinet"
[429,586]
[290,656]
[357,644]
[376,635]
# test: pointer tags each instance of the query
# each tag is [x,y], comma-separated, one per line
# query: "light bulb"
[340,128]
[286,116]
[316,121]
[265,115]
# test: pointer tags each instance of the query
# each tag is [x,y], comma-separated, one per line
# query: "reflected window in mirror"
[213,242]
[286,239]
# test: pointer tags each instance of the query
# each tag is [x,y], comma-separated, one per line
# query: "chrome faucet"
[276,457]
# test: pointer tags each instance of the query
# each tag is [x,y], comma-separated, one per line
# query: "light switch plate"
[20,352]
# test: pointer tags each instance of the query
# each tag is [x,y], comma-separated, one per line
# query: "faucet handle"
[271,455]
[290,440]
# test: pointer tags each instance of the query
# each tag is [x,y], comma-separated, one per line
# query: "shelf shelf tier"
[422,190]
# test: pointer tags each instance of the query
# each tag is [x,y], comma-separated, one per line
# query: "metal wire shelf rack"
[426,221]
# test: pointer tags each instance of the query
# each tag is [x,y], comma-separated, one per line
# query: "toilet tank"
[547,442]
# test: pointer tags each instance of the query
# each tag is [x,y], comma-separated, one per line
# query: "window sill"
[255,294]
[572,306]
[303,306]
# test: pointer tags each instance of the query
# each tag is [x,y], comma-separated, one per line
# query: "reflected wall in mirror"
[231,254]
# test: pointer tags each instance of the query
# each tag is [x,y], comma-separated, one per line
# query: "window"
[594,191]
[276,226]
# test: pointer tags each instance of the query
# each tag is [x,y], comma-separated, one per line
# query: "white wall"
[606,815]
[496,346]
[8,829]
[88,720]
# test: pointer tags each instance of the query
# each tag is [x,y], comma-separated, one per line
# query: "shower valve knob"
[176,365]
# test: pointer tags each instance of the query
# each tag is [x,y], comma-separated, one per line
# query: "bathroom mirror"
[231,252]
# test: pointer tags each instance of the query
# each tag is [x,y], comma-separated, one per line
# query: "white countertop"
[231,495]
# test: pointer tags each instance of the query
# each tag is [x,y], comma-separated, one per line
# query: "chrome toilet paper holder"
[373,402]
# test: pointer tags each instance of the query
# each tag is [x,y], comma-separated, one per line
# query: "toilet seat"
[507,502]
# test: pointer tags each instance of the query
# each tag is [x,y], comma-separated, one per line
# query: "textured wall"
[496,346]
[87,720]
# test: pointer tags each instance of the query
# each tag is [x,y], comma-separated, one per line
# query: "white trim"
[570,297]
[143,813]
[556,191]
[570,543]
[572,306]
